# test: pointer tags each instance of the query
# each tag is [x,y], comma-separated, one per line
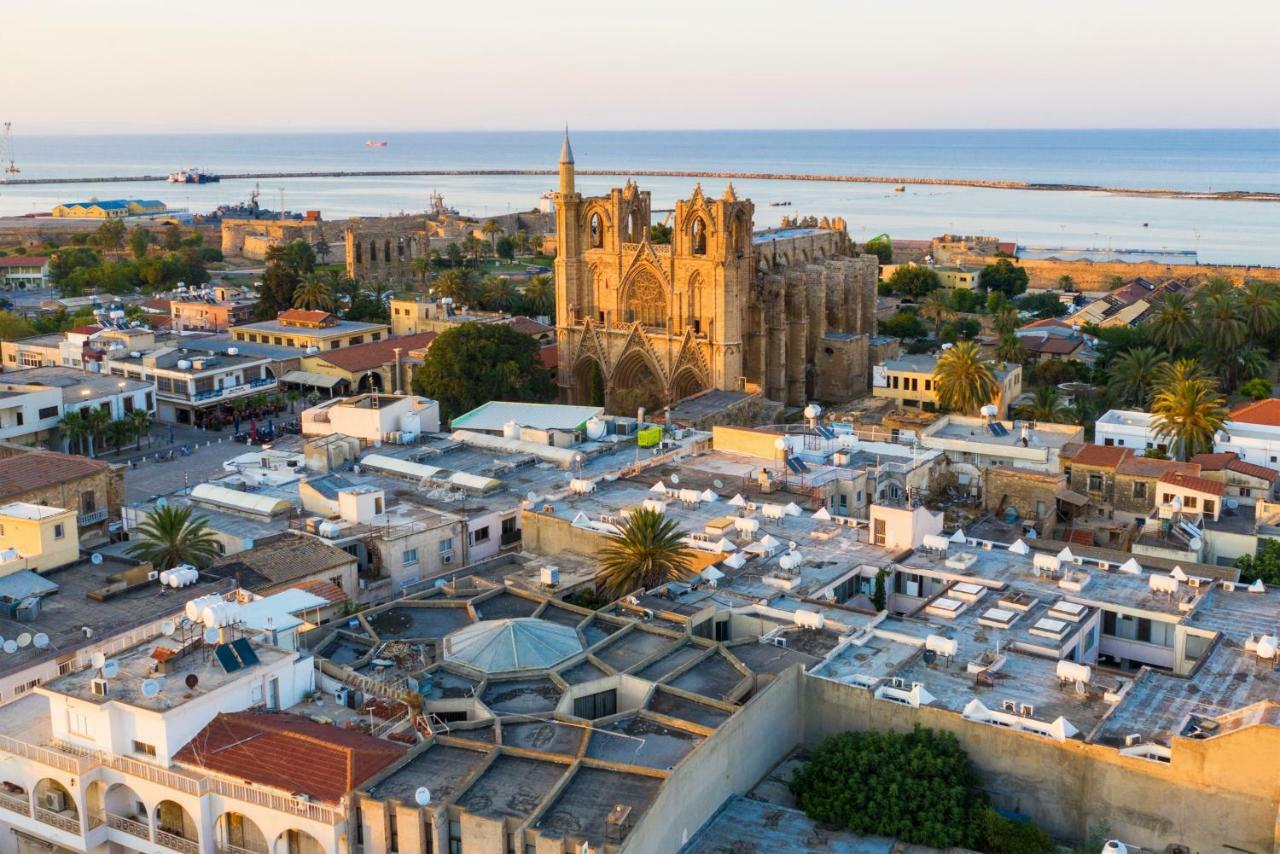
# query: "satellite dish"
[162,502]
[10,647]
[95,559]
[41,640]
[192,680]
[98,659]
[718,483]
[150,687]
[110,668]
[675,478]
[167,628]
[532,496]
[24,640]
[211,635]
[422,796]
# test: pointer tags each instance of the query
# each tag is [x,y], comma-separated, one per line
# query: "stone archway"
[635,382]
[237,832]
[686,383]
[298,842]
[588,382]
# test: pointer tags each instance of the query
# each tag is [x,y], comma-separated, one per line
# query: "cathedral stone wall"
[383,249]
[788,311]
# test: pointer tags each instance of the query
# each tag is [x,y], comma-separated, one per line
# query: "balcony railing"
[129,826]
[177,843]
[235,390]
[70,763]
[270,800]
[156,774]
[86,519]
[224,848]
[58,820]
[15,803]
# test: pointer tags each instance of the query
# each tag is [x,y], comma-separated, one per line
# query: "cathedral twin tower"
[787,313]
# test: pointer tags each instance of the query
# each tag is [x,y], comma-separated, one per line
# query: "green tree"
[1187,413]
[881,247]
[139,242]
[314,292]
[904,324]
[914,281]
[110,236]
[1264,566]
[1261,308]
[118,433]
[505,248]
[964,381]
[966,301]
[649,551]
[1042,305]
[1133,373]
[660,233]
[1010,349]
[457,284]
[170,536]
[322,247]
[1006,321]
[73,429]
[287,264]
[96,422]
[13,327]
[491,230]
[497,293]
[140,420]
[540,297]
[1006,278]
[1173,322]
[937,308]
[1044,405]
[1222,321]
[1067,284]
[171,237]
[421,266]
[879,597]
[1256,389]
[474,363]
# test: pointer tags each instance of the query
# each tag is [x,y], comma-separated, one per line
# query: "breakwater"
[1207,195]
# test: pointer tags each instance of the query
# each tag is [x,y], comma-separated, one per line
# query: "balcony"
[231,391]
[84,520]
[15,803]
[176,843]
[128,826]
[58,820]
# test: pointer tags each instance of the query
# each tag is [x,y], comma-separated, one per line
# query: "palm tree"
[497,293]
[293,396]
[491,229]
[1262,309]
[1067,284]
[1010,349]
[540,296]
[96,422]
[140,419]
[169,536]
[1045,405]
[1222,321]
[1006,321]
[118,433]
[937,307]
[1173,323]
[422,266]
[73,429]
[649,551]
[1168,373]
[456,284]
[964,382]
[1133,372]
[1188,413]
[314,292]
[1215,287]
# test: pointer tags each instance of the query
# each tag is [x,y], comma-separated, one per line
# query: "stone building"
[788,312]
[92,488]
[383,248]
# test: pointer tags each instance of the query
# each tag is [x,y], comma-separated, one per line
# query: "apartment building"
[189,385]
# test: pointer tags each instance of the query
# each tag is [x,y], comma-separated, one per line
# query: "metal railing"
[177,843]
[86,519]
[271,800]
[53,819]
[129,826]
[13,803]
[70,763]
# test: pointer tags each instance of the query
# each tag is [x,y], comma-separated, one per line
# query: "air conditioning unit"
[448,558]
[53,801]
[342,696]
[99,687]
[1193,581]
[1027,710]
[1009,706]
[153,575]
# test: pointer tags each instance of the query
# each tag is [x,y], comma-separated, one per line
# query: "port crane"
[6,150]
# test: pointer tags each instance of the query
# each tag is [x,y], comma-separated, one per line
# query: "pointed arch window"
[646,301]
[596,231]
[698,236]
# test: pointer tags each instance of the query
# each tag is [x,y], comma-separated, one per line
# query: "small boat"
[376,143]
[192,175]
[901,188]
[779,204]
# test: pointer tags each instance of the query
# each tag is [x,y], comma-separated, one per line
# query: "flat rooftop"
[76,385]
[342,327]
[492,416]
[1042,435]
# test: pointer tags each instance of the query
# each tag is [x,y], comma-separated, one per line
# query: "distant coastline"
[1204,195]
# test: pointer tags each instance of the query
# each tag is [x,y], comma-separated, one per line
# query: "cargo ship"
[376,143]
[192,176]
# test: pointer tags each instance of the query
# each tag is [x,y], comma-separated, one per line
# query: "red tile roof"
[1048,321]
[1199,484]
[289,752]
[324,589]
[1150,467]
[1253,470]
[85,330]
[1213,462]
[367,357]
[302,315]
[1264,412]
[550,356]
[1050,345]
[23,261]
[22,473]
[1105,456]
[529,326]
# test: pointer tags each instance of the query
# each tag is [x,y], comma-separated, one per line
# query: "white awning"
[310,378]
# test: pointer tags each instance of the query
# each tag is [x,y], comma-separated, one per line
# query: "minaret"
[566,164]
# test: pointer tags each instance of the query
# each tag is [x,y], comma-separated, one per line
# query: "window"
[77,723]
[1245,492]
[52,412]
[1095,482]
[698,237]
[598,705]
[376,336]
[1208,507]
[150,405]
[19,414]
[393,832]
[58,531]
[446,546]
[481,535]
[1190,502]
[1139,489]
[410,557]
[928,385]
[879,538]
[88,501]
[1108,442]
[355,339]
[1067,471]
[455,837]
[144,749]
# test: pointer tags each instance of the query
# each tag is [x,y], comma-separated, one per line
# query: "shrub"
[1000,835]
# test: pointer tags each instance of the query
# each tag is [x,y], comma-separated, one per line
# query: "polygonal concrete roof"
[501,646]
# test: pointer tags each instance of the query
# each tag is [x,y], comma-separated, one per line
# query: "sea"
[1226,232]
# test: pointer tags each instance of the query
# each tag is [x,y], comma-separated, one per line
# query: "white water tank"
[196,606]
[596,428]
[218,615]
[1070,671]
[184,364]
[328,530]
[311,351]
[233,351]
[511,430]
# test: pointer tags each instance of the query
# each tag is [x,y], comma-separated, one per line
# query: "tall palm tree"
[964,382]
[1010,349]
[1133,372]
[1215,287]
[937,307]
[649,551]
[1188,413]
[1006,320]
[456,284]
[1045,405]
[96,422]
[497,293]
[314,292]
[422,266]
[1181,370]
[140,419]
[491,229]
[170,536]
[540,296]
[118,433]
[293,396]
[1262,308]
[1173,323]
[1222,321]
[73,428]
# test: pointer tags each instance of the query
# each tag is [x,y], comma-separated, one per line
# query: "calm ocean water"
[1235,232]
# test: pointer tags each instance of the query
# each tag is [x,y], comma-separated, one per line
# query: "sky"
[146,66]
